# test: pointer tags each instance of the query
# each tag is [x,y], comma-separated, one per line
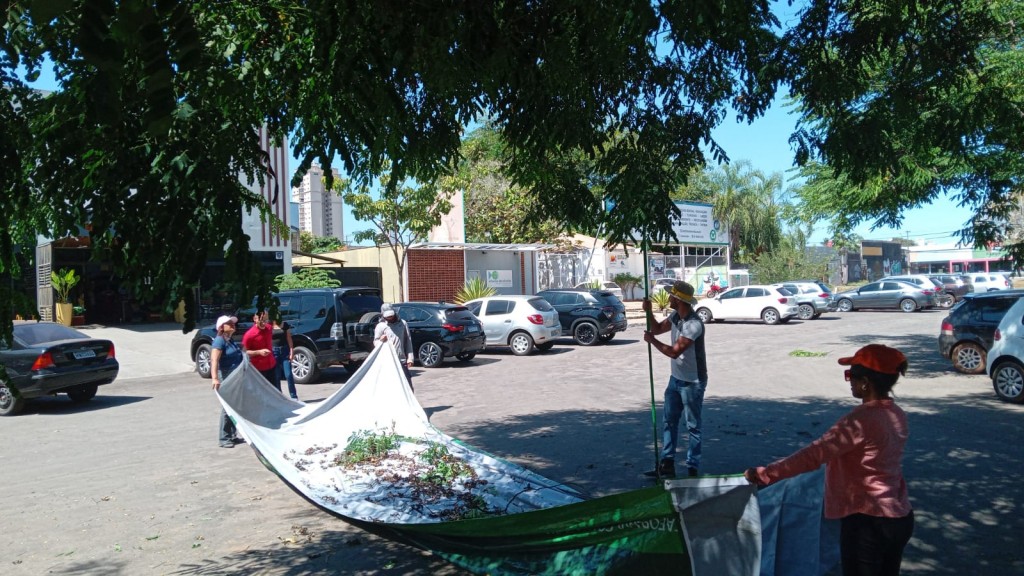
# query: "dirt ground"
[134,482]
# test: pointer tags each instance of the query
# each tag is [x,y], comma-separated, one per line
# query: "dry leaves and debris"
[420,477]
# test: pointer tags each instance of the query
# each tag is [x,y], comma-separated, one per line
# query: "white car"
[987,281]
[768,303]
[662,284]
[1005,364]
[605,285]
[519,322]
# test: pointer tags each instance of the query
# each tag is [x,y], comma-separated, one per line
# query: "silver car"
[886,294]
[812,298]
[519,322]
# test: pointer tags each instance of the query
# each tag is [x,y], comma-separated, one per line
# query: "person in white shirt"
[393,328]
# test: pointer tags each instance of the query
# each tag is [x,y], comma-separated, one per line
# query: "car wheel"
[969,358]
[1008,381]
[705,315]
[9,405]
[203,360]
[83,393]
[466,356]
[585,334]
[845,305]
[908,305]
[304,368]
[805,312]
[607,337]
[946,301]
[521,343]
[430,355]
[770,316]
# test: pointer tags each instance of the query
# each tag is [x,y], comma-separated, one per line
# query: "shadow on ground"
[962,465]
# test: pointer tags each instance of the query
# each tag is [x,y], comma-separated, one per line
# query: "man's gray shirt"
[687,367]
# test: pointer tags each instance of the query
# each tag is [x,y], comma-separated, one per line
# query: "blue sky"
[765,143]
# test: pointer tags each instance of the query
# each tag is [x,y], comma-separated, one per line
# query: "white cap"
[224,320]
[387,311]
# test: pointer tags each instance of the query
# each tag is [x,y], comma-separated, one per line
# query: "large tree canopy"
[159,103]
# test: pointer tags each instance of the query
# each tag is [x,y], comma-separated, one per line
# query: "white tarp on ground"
[304,447]
[721,518]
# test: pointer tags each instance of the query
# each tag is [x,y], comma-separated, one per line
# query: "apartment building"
[319,208]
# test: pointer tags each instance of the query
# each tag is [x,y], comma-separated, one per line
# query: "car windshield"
[460,313]
[540,304]
[33,334]
[607,298]
[358,304]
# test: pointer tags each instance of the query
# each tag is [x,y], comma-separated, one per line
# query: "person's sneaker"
[666,469]
[237,440]
[295,397]
[691,472]
[228,444]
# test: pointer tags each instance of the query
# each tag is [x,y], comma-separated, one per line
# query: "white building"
[319,208]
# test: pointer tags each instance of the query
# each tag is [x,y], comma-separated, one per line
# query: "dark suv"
[966,334]
[587,315]
[953,284]
[440,330]
[326,329]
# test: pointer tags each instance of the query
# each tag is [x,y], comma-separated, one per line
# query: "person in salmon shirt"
[862,454]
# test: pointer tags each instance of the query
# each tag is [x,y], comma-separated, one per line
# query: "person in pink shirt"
[862,453]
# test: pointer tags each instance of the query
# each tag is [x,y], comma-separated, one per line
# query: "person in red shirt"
[862,453]
[258,343]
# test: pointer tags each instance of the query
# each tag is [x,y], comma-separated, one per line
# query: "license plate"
[473,329]
[83,354]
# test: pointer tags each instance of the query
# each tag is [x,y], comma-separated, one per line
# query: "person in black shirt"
[284,348]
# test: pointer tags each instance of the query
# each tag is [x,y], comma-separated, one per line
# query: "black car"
[966,334]
[326,329]
[440,330]
[47,358]
[588,316]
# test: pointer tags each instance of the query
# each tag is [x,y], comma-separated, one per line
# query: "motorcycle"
[714,290]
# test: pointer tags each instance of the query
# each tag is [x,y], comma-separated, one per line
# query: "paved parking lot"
[134,482]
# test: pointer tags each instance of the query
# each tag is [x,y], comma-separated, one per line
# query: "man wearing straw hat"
[684,394]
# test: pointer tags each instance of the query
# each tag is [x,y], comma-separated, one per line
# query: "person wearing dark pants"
[862,454]
[225,356]
[283,350]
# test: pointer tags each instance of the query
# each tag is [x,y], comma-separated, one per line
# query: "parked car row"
[335,325]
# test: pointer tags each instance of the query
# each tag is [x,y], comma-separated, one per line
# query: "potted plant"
[77,315]
[63,281]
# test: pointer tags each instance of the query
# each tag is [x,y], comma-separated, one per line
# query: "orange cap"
[878,357]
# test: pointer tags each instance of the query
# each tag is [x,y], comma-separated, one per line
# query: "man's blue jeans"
[683,398]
